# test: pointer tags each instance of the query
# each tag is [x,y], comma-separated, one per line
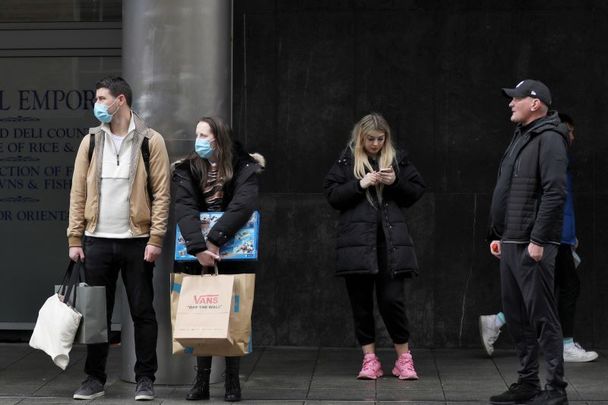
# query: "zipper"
[518,163]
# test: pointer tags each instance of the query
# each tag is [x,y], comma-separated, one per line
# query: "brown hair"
[223,145]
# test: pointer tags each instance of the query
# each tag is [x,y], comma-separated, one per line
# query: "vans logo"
[206,299]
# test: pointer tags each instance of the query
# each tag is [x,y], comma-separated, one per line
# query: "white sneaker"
[576,354]
[489,332]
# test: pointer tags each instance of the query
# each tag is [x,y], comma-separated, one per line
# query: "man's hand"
[535,251]
[495,248]
[151,253]
[76,253]
[207,258]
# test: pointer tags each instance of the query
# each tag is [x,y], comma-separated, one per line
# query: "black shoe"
[145,389]
[232,384]
[551,396]
[518,393]
[200,389]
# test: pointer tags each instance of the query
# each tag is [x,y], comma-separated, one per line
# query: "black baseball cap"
[530,88]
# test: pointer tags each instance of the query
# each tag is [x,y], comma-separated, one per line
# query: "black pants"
[390,294]
[528,301]
[104,259]
[567,288]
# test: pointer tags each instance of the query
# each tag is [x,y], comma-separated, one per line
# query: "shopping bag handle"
[215,270]
[70,280]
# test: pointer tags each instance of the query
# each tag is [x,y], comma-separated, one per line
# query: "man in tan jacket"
[119,205]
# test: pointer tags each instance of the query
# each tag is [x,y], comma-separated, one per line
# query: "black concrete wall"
[305,71]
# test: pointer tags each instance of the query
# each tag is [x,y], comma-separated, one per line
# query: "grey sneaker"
[145,389]
[488,331]
[91,388]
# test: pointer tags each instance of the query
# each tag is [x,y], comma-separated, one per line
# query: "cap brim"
[510,93]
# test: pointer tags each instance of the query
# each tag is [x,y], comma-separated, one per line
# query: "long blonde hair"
[386,156]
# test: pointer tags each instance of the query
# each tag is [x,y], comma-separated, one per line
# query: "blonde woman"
[371,184]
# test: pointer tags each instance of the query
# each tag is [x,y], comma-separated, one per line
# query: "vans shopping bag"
[203,309]
[58,322]
[239,325]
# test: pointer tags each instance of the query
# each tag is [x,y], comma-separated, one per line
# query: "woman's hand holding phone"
[387,175]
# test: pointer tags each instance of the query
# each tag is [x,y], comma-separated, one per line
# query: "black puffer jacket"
[239,201]
[528,201]
[358,226]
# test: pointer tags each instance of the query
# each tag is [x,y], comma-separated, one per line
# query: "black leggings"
[567,288]
[390,295]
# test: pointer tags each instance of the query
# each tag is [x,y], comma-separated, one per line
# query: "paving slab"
[10,401]
[284,375]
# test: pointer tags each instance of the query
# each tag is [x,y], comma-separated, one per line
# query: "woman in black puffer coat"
[371,184]
[217,176]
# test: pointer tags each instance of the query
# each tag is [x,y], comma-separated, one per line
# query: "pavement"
[304,376]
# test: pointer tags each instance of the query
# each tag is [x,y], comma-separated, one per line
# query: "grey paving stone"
[285,376]
[109,400]
[470,395]
[411,395]
[336,394]
[343,382]
[30,373]
[411,403]
[275,394]
[9,401]
[10,353]
[389,384]
[276,381]
[316,402]
[484,402]
[50,400]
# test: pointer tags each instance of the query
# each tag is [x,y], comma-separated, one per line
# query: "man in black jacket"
[525,229]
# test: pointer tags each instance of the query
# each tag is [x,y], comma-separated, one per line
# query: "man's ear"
[535,105]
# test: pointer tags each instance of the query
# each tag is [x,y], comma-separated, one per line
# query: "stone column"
[177,57]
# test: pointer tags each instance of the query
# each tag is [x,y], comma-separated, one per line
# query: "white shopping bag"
[58,322]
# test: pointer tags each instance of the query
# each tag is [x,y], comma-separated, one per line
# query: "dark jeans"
[104,259]
[567,288]
[528,301]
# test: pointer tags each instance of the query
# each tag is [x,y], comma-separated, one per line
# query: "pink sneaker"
[404,367]
[371,368]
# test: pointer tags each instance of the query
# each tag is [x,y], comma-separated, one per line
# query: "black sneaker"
[551,396]
[91,388]
[518,393]
[145,389]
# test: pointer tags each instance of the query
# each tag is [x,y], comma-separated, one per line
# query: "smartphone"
[386,170]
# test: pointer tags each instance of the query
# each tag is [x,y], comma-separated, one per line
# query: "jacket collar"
[549,122]
[136,124]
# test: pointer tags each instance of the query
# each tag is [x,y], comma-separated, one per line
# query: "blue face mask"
[101,112]
[203,148]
